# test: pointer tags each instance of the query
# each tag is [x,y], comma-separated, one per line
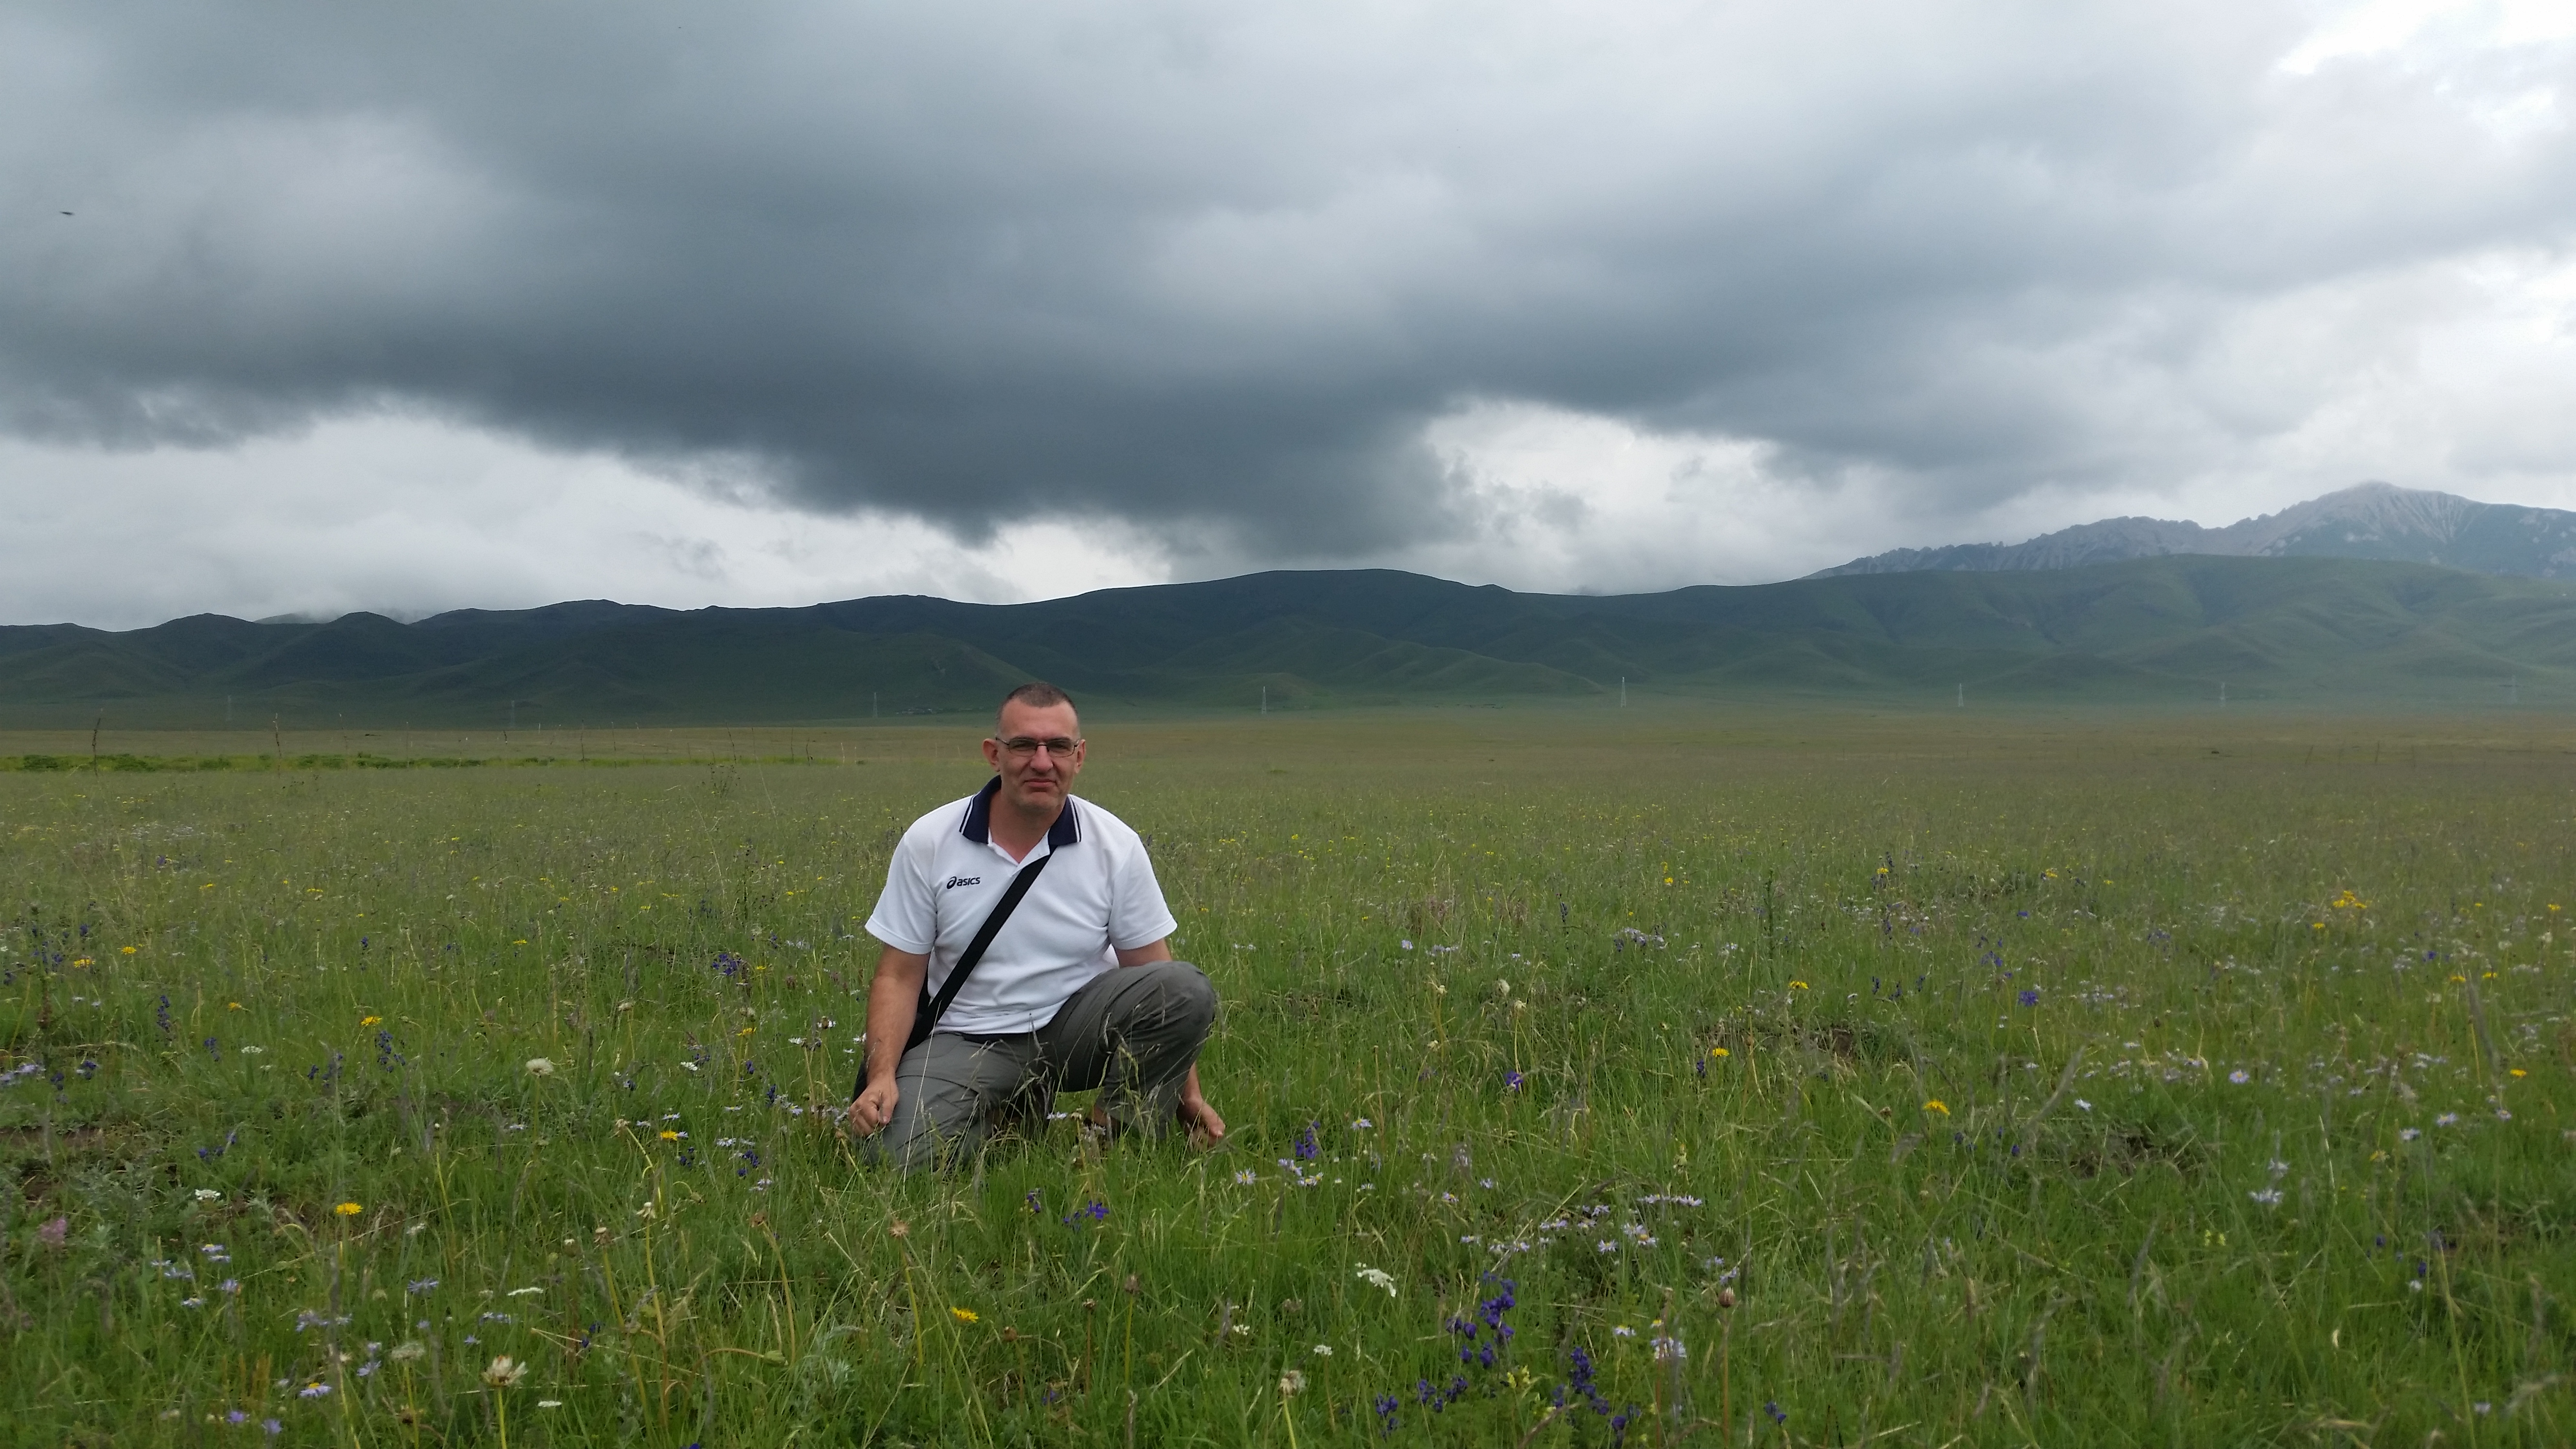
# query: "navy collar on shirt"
[978,825]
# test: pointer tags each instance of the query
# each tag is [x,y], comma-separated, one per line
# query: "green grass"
[251,995]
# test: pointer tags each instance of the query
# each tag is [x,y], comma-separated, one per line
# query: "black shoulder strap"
[927,1013]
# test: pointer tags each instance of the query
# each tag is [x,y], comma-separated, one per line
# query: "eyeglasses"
[1023,747]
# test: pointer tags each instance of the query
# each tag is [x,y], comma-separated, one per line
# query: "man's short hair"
[1036,694]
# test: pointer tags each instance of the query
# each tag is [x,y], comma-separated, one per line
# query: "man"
[1077,989]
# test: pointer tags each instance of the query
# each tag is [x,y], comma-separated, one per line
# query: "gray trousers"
[1133,1033]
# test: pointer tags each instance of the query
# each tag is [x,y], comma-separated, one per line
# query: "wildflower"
[2409,1134]
[1247,1177]
[2268,1197]
[504,1372]
[1797,985]
[2028,996]
[688,1066]
[1512,1081]
[1669,1349]
[348,1210]
[549,1403]
[1377,1278]
[2447,1119]
[271,1428]
[369,1020]
[1937,1105]
[314,1390]
[668,1135]
[1717,1051]
[407,1351]
[1623,1331]
[901,1229]
[208,1194]
[1362,1124]
[540,1067]
[419,1286]
[1772,1407]
[1291,1383]
[2238,1077]
[2083,1105]
[1323,1350]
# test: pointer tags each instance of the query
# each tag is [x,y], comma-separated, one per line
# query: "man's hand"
[1205,1127]
[873,1108]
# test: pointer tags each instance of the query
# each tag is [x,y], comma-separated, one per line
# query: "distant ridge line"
[2366,521]
[2169,629]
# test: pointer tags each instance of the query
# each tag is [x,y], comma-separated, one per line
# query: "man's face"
[1034,781]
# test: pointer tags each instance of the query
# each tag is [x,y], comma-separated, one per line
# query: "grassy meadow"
[1664,1076]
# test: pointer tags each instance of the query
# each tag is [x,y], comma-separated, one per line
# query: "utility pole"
[2222,694]
[1623,691]
[1265,699]
[1963,696]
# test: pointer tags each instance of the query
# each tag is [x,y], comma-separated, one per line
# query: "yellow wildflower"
[348,1210]
[1797,985]
[964,1315]
[369,1020]
[1717,1051]
[1937,1105]
[670,1136]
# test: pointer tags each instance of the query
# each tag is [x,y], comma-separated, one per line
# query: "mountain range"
[2167,629]
[2369,520]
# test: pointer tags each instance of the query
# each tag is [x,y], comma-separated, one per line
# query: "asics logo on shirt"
[954,881]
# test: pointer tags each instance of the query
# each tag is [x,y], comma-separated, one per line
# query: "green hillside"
[2162,629]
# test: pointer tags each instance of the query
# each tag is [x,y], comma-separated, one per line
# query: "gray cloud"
[1210,273]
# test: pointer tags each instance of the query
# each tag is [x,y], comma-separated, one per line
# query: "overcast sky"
[307,307]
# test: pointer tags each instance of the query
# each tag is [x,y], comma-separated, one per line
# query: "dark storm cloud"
[1210,271]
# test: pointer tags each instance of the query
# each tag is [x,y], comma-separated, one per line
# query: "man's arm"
[1196,1114]
[892,998]
[1148,954]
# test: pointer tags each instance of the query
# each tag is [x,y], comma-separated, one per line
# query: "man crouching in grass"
[1074,987]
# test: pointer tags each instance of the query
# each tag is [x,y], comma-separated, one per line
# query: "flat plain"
[1674,1075]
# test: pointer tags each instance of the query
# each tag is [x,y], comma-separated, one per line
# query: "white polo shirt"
[947,875]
